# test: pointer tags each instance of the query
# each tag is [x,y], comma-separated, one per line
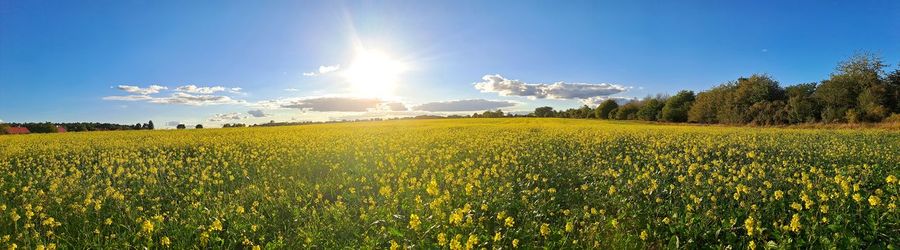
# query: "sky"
[215,62]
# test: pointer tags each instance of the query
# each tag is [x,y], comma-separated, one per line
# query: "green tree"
[747,92]
[801,106]
[180,126]
[544,112]
[603,110]
[650,109]
[199,126]
[708,104]
[628,111]
[856,91]
[677,106]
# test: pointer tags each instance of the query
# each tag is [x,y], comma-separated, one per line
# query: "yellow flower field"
[457,184]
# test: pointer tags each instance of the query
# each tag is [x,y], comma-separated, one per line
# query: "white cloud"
[152,89]
[331,104]
[235,90]
[391,106]
[227,117]
[324,70]
[173,123]
[291,90]
[464,105]
[379,114]
[257,113]
[195,100]
[557,90]
[594,101]
[128,98]
[199,90]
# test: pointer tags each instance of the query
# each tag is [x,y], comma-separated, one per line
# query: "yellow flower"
[414,222]
[147,227]
[569,227]
[891,179]
[749,224]
[433,188]
[857,197]
[644,235]
[874,200]
[515,243]
[394,245]
[456,242]
[498,236]
[442,239]
[456,217]
[779,194]
[216,225]
[795,223]
[751,245]
[545,229]
[165,241]
[509,222]
[472,241]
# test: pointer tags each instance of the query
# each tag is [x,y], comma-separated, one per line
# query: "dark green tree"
[677,106]
[605,108]
[544,112]
[650,109]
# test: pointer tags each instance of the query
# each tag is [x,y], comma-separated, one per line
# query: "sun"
[374,73]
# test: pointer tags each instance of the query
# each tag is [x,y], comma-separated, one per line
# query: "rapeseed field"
[453,184]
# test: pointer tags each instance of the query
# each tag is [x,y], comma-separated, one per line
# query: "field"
[458,184]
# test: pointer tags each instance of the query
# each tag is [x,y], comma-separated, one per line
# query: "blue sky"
[96,60]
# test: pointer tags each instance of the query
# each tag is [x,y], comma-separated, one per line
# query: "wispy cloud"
[227,117]
[195,100]
[186,95]
[324,70]
[594,101]
[558,90]
[464,105]
[152,89]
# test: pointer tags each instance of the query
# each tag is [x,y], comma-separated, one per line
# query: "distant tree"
[137,125]
[628,111]
[855,91]
[749,91]
[199,126]
[650,109]
[585,112]
[893,88]
[150,125]
[801,106]
[44,127]
[602,111]
[677,106]
[180,126]
[544,112]
[708,104]
[4,128]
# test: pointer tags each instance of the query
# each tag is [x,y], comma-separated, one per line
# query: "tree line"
[859,90]
[48,127]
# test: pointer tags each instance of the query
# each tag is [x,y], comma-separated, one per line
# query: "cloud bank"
[558,90]
[463,105]
[185,95]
